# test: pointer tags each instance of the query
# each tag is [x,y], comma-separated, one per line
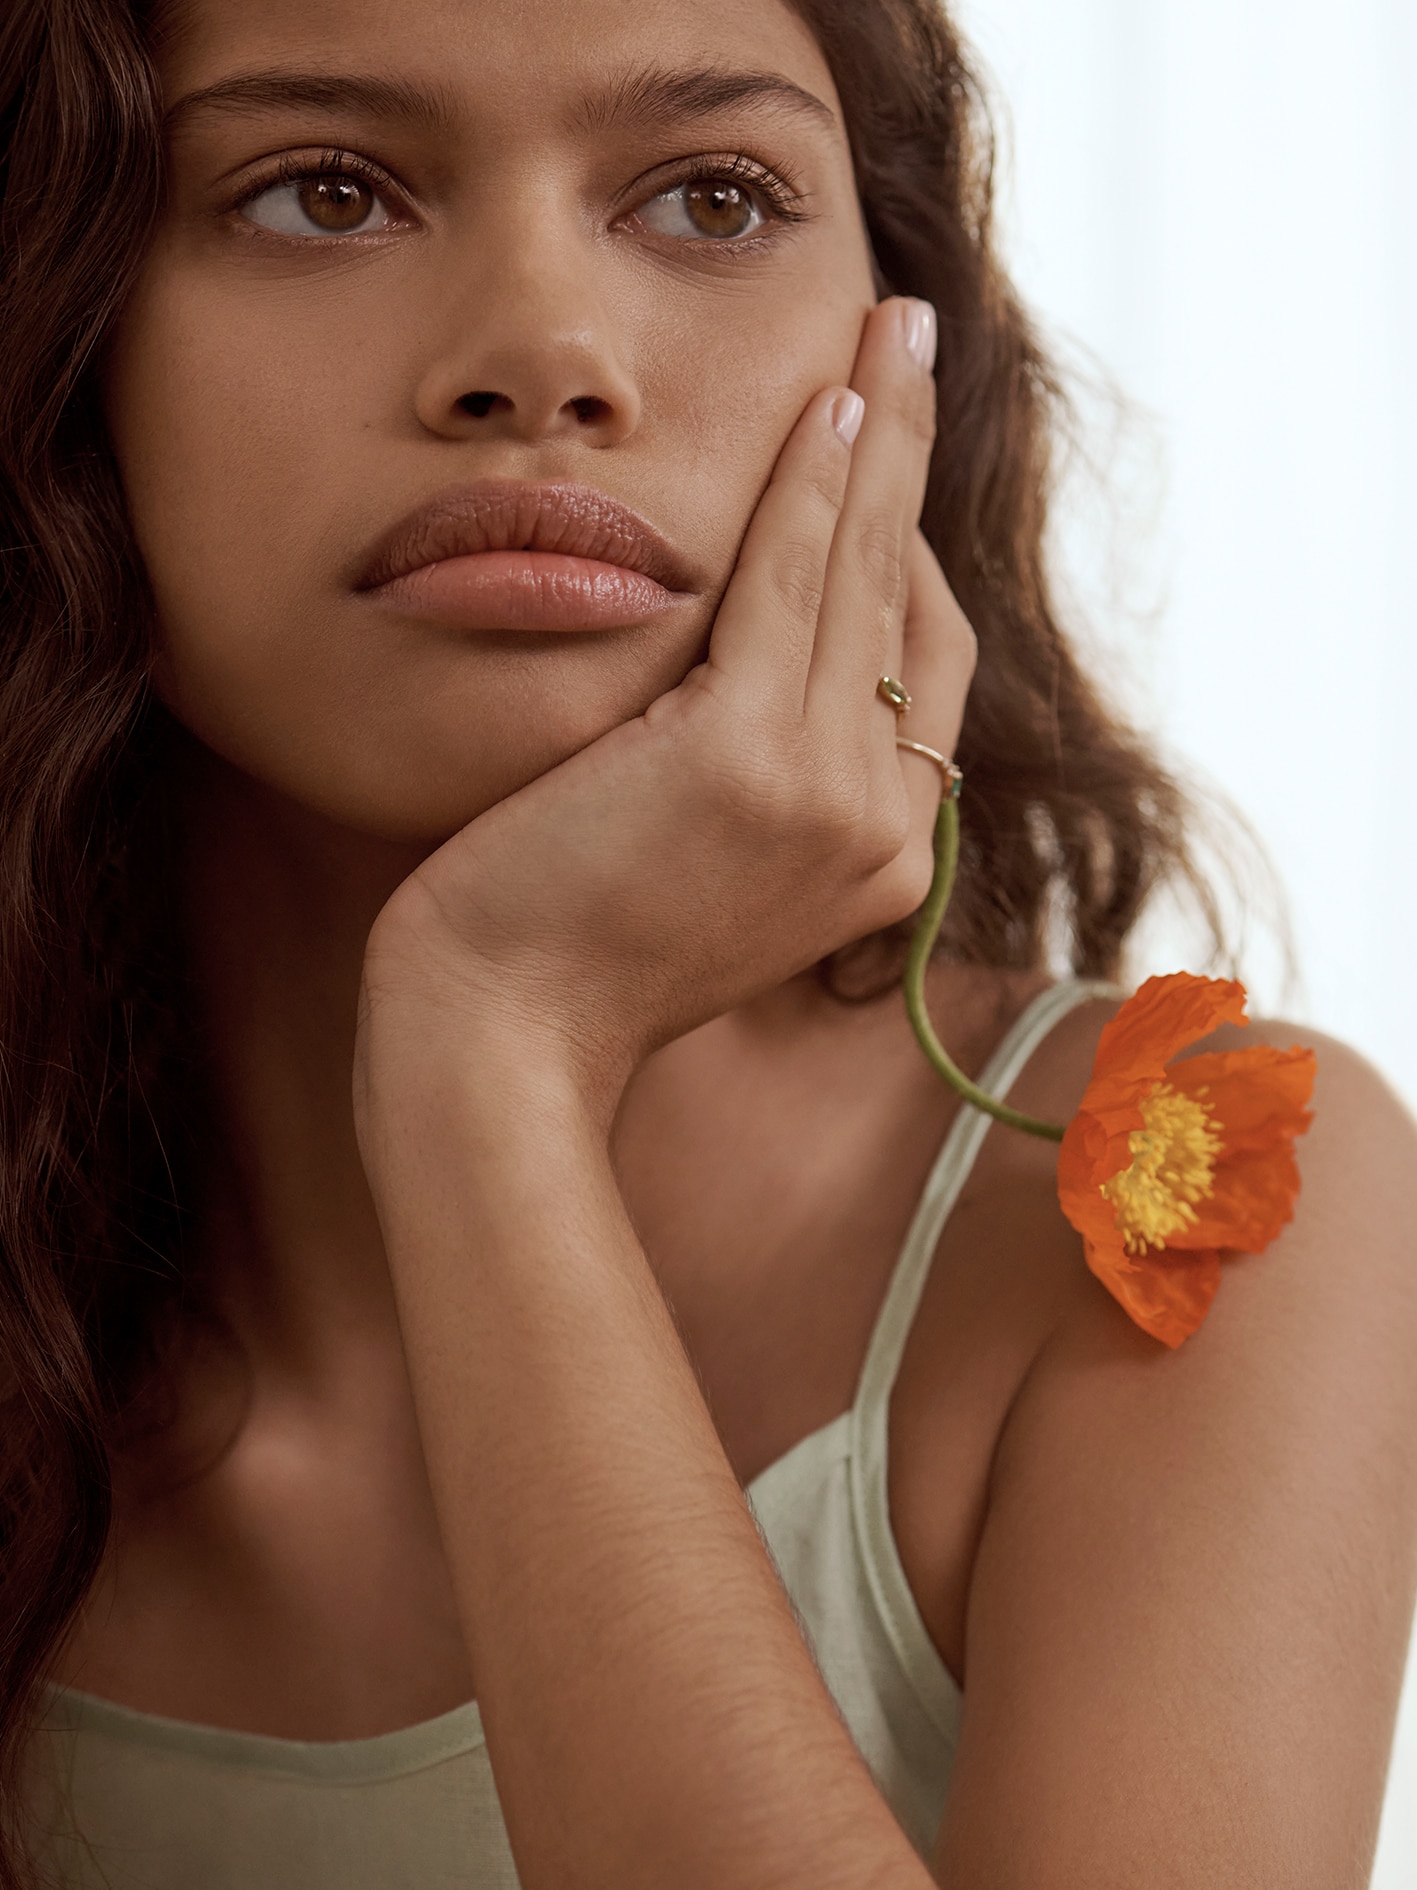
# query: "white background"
[1216,202]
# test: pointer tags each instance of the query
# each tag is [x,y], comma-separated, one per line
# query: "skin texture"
[566,887]
[340,376]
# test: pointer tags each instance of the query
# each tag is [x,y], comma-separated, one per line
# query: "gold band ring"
[894,694]
[954,778]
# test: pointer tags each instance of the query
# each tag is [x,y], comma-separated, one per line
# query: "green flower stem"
[922,944]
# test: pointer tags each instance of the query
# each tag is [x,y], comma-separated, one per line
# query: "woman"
[469,467]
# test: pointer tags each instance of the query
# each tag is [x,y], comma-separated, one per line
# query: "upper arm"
[1192,1595]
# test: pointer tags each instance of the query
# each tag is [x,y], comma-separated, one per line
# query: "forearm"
[653,1714]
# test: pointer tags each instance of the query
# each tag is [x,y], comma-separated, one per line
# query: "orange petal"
[1257,1093]
[1088,1157]
[1167,1294]
[1164,1016]
[1258,1099]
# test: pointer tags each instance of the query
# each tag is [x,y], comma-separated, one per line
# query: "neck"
[278,905]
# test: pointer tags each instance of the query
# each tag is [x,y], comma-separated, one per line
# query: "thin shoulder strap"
[942,1190]
[880,1561]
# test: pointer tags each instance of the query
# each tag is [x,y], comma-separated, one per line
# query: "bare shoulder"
[1345,1270]
[1351,1097]
[1356,1216]
[1199,1564]
[1340,1282]
[1358,1160]
[1326,1316]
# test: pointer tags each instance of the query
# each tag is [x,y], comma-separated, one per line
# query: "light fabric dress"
[128,1801]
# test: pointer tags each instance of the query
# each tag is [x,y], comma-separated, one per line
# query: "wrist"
[431,1002]
[445,1087]
[472,1178]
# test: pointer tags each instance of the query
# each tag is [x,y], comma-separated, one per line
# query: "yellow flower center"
[1173,1167]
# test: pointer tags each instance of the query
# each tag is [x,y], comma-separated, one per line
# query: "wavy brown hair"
[1069,823]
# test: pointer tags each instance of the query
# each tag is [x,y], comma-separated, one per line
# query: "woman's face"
[438,252]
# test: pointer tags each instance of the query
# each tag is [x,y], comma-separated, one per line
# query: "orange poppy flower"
[1167,1165]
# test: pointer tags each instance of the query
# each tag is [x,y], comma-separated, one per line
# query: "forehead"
[574,59]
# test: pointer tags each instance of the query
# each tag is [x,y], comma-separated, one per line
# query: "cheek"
[727,400]
[265,436]
[259,462]
[222,430]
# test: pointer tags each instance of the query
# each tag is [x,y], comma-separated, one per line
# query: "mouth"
[503,555]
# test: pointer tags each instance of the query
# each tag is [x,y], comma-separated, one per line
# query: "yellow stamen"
[1173,1167]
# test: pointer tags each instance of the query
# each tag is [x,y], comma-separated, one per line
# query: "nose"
[533,355]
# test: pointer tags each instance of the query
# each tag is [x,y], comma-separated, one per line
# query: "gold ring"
[954,778]
[894,694]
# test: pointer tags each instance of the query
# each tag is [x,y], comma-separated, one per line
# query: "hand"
[754,819]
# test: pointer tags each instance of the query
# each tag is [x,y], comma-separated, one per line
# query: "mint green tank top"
[128,1801]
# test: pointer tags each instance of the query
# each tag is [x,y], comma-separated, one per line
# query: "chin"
[420,794]
[411,751]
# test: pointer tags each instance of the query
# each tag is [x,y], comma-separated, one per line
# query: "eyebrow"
[655,95]
[660,95]
[401,101]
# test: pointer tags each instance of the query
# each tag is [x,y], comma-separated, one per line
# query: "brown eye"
[719,208]
[336,204]
[327,204]
[712,207]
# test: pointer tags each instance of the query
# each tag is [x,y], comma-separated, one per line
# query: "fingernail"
[848,411]
[921,334]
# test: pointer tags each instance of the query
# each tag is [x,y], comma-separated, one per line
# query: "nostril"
[480,405]
[590,408]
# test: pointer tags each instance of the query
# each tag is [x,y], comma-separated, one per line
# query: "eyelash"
[290,169]
[783,202]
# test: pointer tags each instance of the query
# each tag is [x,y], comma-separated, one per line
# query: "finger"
[767,623]
[865,591]
[937,663]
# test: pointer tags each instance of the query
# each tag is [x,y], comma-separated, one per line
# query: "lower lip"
[526,590]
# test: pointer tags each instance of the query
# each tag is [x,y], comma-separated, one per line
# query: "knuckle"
[836,812]
[828,802]
[797,577]
[869,828]
[915,864]
[837,809]
[825,484]
[756,799]
[769,784]
[876,854]
[905,881]
[891,830]
[881,554]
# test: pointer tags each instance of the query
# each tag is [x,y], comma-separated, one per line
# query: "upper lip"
[510,515]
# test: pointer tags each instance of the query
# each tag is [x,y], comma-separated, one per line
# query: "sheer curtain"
[1215,202]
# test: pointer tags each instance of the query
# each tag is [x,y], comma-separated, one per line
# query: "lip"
[504,553]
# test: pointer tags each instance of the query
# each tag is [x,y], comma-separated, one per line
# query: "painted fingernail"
[921,334]
[848,411]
